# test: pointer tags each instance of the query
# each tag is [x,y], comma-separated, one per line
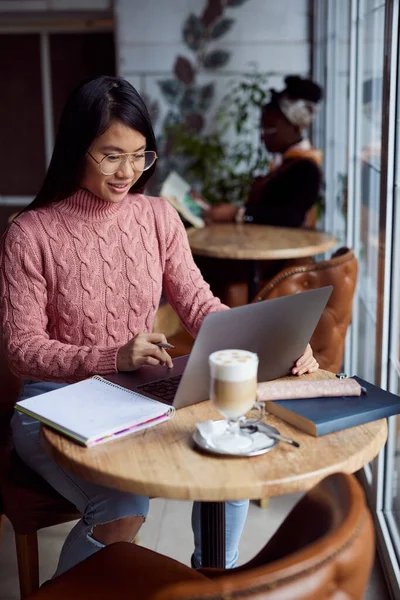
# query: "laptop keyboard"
[165,389]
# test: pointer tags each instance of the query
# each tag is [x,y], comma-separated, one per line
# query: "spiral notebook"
[94,411]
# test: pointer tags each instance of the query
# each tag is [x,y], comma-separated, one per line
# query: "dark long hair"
[87,114]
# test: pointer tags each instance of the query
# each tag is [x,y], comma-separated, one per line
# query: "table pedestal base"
[212,516]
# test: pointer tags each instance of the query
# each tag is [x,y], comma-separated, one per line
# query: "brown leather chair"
[340,271]
[329,337]
[25,498]
[323,550]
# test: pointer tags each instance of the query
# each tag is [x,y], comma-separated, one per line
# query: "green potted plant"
[222,165]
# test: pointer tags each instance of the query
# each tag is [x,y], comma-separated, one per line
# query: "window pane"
[341,118]
[369,130]
[393,474]
[331,126]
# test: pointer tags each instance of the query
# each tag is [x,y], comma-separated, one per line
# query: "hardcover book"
[318,416]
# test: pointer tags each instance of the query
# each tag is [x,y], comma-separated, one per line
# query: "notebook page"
[93,408]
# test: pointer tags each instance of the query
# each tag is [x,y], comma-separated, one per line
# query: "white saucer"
[262,443]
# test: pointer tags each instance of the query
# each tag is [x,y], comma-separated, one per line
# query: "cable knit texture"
[80,277]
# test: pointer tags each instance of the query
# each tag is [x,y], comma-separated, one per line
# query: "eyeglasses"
[111,163]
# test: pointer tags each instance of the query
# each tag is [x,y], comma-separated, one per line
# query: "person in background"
[292,187]
[82,270]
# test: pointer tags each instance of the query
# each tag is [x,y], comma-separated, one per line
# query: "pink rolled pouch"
[290,389]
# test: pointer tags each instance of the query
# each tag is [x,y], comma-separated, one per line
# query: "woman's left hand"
[306,363]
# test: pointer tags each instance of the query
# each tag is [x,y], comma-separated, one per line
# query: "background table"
[162,462]
[257,243]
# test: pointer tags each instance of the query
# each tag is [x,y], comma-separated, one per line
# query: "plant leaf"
[171,89]
[193,32]
[206,96]
[221,27]
[216,59]
[189,103]
[194,122]
[234,3]
[171,119]
[183,70]
[212,12]
[222,164]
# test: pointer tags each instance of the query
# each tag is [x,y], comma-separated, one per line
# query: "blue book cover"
[319,416]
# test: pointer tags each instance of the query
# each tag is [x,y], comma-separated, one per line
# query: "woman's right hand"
[142,350]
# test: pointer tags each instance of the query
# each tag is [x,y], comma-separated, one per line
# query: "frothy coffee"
[233,386]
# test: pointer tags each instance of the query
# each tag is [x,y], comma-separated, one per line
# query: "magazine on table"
[184,199]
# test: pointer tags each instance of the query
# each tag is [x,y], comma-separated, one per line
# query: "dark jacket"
[284,197]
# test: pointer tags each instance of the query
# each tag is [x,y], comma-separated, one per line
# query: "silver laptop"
[277,330]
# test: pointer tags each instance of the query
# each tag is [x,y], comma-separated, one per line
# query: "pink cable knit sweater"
[81,277]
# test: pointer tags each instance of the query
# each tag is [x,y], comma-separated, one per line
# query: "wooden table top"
[257,242]
[161,461]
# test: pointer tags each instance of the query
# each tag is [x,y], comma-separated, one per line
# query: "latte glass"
[233,392]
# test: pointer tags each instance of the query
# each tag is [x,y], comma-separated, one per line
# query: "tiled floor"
[168,531]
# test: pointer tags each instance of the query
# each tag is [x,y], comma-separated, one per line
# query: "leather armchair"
[329,337]
[340,271]
[323,550]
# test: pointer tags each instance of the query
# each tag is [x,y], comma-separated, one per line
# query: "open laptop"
[278,330]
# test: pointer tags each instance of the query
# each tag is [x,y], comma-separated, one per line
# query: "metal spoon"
[271,433]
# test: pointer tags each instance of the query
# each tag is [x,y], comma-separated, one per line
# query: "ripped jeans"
[96,503]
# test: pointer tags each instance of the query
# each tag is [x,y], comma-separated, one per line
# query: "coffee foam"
[233,365]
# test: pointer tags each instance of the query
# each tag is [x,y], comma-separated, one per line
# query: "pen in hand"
[164,345]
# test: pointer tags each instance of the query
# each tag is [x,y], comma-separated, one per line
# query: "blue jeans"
[99,504]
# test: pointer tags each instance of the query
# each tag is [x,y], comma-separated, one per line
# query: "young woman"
[293,185]
[82,270]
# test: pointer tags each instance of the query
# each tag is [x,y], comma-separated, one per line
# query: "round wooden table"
[162,462]
[257,243]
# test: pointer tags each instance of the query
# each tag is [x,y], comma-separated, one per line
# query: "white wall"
[270,34]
